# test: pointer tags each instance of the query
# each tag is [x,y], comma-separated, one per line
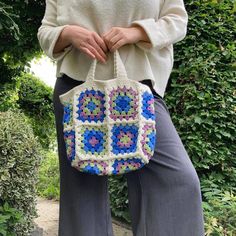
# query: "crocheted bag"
[109,125]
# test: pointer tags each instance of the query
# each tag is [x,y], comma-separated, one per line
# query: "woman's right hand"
[87,41]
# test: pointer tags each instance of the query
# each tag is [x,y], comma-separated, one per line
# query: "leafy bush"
[201,96]
[7,20]
[219,213]
[20,156]
[118,190]
[35,99]
[49,184]
[9,96]
[9,216]
[20,21]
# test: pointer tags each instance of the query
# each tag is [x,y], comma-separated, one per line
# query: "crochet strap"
[119,68]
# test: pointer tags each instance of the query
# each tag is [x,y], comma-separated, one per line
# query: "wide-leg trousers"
[164,196]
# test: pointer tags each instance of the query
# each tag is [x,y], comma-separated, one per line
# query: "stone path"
[47,222]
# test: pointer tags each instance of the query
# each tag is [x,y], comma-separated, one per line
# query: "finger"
[105,34]
[114,40]
[96,44]
[96,53]
[108,39]
[109,35]
[87,51]
[101,43]
[98,50]
[118,44]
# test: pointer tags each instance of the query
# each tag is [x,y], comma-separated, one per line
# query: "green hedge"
[49,183]
[220,211]
[35,99]
[201,95]
[19,22]
[9,217]
[20,156]
[28,93]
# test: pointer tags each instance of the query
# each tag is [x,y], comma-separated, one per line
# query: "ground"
[47,224]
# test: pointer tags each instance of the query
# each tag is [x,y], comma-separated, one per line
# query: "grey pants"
[164,196]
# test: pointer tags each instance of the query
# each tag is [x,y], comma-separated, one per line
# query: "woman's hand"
[87,41]
[119,36]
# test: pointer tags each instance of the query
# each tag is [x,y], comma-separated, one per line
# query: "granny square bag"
[109,125]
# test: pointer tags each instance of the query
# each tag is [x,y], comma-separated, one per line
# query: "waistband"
[146,82]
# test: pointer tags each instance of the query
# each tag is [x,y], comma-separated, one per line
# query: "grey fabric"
[164,195]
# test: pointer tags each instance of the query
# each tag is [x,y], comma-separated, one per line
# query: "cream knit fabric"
[164,21]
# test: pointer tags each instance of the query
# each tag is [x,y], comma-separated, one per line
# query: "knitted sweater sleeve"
[49,31]
[170,28]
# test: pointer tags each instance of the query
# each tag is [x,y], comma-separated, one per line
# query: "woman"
[164,196]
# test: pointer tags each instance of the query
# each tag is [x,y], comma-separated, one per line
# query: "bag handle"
[119,68]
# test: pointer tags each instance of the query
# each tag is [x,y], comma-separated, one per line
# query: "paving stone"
[37,232]
[47,222]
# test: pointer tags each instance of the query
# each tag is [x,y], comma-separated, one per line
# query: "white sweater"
[164,21]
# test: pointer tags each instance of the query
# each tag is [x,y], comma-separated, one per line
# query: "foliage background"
[20,154]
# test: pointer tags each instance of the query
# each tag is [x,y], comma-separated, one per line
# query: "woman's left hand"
[119,36]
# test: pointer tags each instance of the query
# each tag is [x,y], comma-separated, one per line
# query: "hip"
[66,81]
[64,84]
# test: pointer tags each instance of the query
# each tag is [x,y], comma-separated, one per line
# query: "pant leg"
[84,208]
[164,196]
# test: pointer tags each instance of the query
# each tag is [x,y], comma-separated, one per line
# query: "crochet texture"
[97,139]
